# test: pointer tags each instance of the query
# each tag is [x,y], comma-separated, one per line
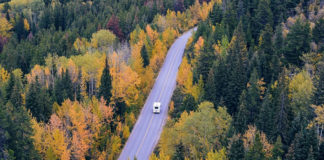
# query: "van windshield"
[156,107]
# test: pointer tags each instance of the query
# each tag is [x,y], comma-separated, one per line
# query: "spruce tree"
[318,97]
[105,84]
[256,152]
[263,16]
[253,98]
[241,120]
[283,112]
[145,57]
[19,143]
[236,151]
[297,42]
[321,152]
[236,70]
[216,14]
[266,54]
[318,33]
[277,150]
[179,152]
[266,118]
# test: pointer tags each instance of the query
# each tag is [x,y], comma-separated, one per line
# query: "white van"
[156,107]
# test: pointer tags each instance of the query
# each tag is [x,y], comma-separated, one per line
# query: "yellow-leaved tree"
[71,130]
[199,132]
[5,27]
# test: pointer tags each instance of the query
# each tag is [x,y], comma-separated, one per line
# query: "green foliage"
[145,57]
[297,42]
[216,15]
[318,97]
[277,151]
[15,123]
[318,33]
[256,151]
[236,151]
[105,84]
[262,18]
[236,70]
[63,88]
[39,102]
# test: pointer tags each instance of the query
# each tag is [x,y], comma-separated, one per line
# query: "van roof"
[156,104]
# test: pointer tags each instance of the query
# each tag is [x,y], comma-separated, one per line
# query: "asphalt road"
[146,132]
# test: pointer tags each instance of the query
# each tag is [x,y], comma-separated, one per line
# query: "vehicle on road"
[156,107]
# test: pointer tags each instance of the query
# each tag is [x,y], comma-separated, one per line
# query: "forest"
[74,76]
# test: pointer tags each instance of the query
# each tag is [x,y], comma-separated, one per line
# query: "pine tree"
[145,57]
[19,142]
[266,118]
[277,151]
[318,33]
[38,102]
[282,108]
[263,16]
[253,98]
[105,84]
[318,97]
[236,151]
[179,152]
[216,15]
[321,152]
[9,87]
[236,70]
[241,120]
[266,54]
[189,103]
[297,42]
[256,151]
[210,87]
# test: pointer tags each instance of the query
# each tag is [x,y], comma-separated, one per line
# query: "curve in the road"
[148,127]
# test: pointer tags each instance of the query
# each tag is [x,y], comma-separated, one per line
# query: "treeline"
[31,30]
[83,105]
[262,62]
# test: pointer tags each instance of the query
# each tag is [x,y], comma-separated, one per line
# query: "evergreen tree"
[19,143]
[241,121]
[105,84]
[216,14]
[236,151]
[304,142]
[266,54]
[253,98]
[321,152]
[297,42]
[189,103]
[318,33]
[236,70]
[256,151]
[210,87]
[266,118]
[179,152]
[9,87]
[318,97]
[120,107]
[38,102]
[282,109]
[262,18]
[277,150]
[145,57]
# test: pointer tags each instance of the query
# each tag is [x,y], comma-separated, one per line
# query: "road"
[146,132]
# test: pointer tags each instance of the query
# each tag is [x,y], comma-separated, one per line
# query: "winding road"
[146,132]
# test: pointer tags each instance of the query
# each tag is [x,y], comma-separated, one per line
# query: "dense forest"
[74,76]
[251,85]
